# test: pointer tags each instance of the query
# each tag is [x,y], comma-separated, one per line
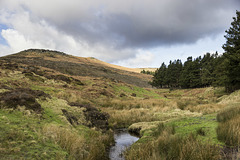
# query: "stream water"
[123,140]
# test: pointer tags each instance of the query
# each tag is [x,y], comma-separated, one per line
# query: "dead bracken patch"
[23,97]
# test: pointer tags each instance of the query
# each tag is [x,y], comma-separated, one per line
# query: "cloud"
[135,24]
[111,30]
[141,59]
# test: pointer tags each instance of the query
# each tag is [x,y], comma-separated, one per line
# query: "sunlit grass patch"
[53,111]
[138,91]
[47,89]
[206,123]
[170,145]
[19,138]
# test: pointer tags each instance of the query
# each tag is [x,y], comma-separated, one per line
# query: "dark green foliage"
[159,77]
[147,72]
[190,77]
[232,54]
[207,64]
[194,73]
[201,132]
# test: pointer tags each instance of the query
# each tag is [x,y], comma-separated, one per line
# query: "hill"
[77,66]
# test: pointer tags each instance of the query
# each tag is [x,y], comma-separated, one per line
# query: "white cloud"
[142,59]
[17,41]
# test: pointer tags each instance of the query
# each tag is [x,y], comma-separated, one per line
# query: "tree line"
[209,70]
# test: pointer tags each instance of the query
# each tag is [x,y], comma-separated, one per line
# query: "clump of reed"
[228,114]
[73,143]
[228,128]
[206,108]
[170,146]
[125,117]
[77,145]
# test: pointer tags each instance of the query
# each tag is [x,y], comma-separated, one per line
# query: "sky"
[129,33]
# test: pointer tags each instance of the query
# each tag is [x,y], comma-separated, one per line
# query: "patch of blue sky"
[3,40]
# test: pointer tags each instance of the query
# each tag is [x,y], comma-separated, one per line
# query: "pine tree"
[232,54]
[207,68]
[159,77]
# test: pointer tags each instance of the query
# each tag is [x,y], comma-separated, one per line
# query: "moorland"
[57,106]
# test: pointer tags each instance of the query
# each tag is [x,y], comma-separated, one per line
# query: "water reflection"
[123,140]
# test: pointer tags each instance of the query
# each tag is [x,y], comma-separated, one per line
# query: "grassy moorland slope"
[77,66]
[56,106]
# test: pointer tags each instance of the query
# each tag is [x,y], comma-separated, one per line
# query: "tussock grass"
[74,144]
[188,102]
[232,98]
[228,114]
[124,118]
[228,130]
[171,146]
[206,108]
[85,144]
[130,103]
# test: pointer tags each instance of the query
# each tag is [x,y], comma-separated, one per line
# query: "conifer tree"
[232,54]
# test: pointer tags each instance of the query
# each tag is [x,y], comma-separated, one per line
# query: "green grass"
[207,123]
[167,142]
[140,92]
[47,89]
[19,138]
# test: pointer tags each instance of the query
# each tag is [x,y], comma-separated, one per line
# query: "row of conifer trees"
[209,70]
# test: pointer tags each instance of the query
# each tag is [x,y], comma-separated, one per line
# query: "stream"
[123,140]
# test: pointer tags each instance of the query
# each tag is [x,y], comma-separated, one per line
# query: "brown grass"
[206,108]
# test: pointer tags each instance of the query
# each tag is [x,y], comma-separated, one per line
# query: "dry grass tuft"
[74,144]
[206,108]
[229,132]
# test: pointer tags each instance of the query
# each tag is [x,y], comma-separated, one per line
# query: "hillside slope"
[77,66]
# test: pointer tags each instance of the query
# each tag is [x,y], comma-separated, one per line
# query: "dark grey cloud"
[144,24]
[112,30]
